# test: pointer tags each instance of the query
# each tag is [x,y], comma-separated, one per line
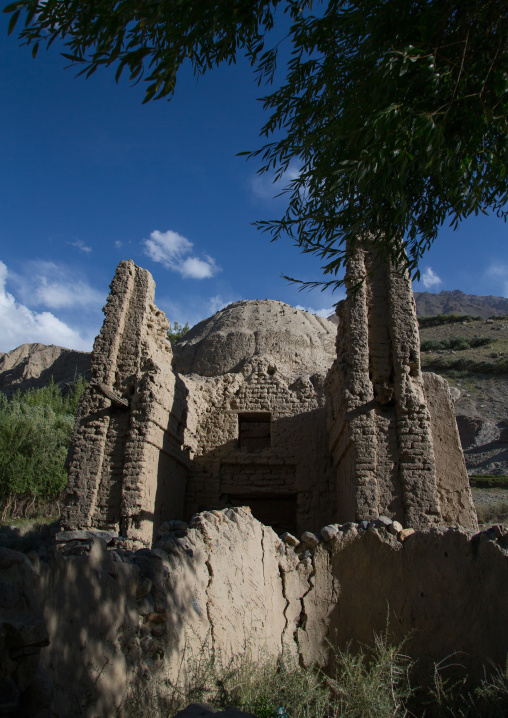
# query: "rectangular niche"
[254,431]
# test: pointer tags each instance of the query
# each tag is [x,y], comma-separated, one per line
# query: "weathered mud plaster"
[126,464]
[158,436]
[225,587]
[389,454]
[430,587]
[455,500]
[120,623]
[237,415]
[267,361]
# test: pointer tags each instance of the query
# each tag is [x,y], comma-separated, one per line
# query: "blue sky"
[89,176]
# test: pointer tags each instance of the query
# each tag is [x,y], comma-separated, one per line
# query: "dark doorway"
[273,510]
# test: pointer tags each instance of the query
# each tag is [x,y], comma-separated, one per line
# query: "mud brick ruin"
[193,467]
[393,434]
[251,408]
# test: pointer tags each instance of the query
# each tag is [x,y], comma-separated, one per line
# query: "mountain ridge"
[456,301]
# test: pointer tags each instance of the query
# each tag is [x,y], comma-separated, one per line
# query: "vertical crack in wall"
[301,624]
[282,574]
[268,579]
[208,564]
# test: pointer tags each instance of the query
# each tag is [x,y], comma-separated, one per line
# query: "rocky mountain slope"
[456,302]
[473,356]
[31,366]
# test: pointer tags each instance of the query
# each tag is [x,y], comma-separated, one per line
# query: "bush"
[493,513]
[369,683]
[35,430]
[440,319]
[366,684]
[489,481]
[431,345]
[455,343]
[374,685]
[480,341]
[454,696]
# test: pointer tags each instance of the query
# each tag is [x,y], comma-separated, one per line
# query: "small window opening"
[254,431]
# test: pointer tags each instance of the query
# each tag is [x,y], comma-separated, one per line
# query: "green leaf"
[13,21]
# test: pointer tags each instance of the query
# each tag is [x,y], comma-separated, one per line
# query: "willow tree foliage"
[394,111]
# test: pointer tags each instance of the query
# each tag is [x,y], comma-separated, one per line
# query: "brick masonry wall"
[296,465]
[381,432]
[126,466]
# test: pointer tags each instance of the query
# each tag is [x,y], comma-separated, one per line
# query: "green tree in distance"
[177,332]
[395,112]
[35,430]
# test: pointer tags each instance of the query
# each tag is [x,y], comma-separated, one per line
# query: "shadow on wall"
[112,616]
[172,463]
[443,592]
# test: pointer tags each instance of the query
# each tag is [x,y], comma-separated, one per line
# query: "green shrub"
[430,345]
[455,343]
[177,332]
[369,683]
[459,344]
[440,319]
[489,481]
[35,430]
[374,684]
[480,341]
[466,366]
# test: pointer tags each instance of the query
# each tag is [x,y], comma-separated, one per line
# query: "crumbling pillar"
[380,426]
[127,470]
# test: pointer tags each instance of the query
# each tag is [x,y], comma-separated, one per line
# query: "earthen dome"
[299,342]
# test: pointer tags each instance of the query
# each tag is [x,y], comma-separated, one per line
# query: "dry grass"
[493,513]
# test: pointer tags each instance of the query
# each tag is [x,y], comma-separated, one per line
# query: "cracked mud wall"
[442,589]
[126,467]
[379,423]
[121,623]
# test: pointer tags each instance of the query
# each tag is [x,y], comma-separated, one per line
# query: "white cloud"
[430,279]
[118,244]
[81,246]
[46,284]
[172,249]
[498,273]
[264,187]
[198,268]
[20,325]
